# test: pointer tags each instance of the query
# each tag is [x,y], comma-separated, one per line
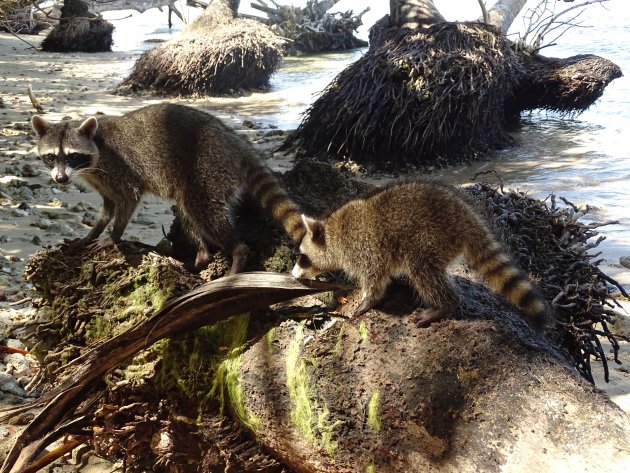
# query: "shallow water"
[583,158]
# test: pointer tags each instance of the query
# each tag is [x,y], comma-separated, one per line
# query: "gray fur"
[175,152]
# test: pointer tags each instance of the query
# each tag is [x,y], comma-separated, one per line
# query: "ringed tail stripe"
[266,189]
[284,210]
[491,256]
[512,283]
[297,230]
[503,269]
[259,178]
[531,304]
[275,199]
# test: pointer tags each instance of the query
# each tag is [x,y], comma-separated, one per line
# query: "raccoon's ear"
[315,229]
[88,127]
[39,125]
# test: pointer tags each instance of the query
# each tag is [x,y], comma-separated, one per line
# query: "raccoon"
[175,152]
[414,230]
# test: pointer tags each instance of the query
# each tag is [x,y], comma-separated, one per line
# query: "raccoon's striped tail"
[266,190]
[504,278]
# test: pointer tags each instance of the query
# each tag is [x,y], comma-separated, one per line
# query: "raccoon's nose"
[62,179]
[297,272]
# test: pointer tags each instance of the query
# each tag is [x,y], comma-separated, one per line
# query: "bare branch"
[484,11]
[34,100]
[555,18]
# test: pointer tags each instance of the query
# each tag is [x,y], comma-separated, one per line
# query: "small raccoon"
[175,152]
[414,230]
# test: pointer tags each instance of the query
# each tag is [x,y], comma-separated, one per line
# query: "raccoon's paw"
[98,244]
[425,317]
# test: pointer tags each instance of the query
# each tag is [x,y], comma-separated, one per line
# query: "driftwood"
[306,389]
[204,305]
[381,394]
[311,29]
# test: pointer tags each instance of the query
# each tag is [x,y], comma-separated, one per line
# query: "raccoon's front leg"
[372,292]
[435,288]
[107,212]
[124,211]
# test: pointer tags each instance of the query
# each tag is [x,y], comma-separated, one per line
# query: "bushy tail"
[504,278]
[266,190]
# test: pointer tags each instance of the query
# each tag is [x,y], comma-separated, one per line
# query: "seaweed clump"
[216,54]
[429,97]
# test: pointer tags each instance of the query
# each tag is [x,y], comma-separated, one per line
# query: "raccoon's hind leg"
[213,225]
[435,288]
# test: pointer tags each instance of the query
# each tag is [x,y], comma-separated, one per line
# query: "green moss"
[228,380]
[211,356]
[371,468]
[130,301]
[373,419]
[364,332]
[191,363]
[297,384]
[326,429]
[271,337]
[100,327]
[339,344]
[310,420]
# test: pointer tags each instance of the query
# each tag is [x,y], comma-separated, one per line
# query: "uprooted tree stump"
[440,95]
[79,30]
[217,54]
[299,386]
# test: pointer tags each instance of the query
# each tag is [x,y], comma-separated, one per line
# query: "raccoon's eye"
[304,261]
[78,160]
[49,158]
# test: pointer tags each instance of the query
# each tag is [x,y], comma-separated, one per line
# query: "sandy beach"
[35,213]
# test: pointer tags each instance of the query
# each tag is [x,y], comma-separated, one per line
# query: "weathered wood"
[414,14]
[415,99]
[311,29]
[217,54]
[99,6]
[503,13]
[79,30]
[380,394]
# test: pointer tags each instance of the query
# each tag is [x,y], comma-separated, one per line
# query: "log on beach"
[129,362]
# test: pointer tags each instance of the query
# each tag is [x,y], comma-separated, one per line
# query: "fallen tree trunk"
[204,305]
[381,394]
[432,93]
[79,30]
[306,389]
[217,54]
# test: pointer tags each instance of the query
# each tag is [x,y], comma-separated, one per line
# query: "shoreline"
[34,213]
